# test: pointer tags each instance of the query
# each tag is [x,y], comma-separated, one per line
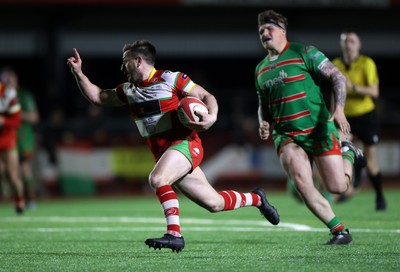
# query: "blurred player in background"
[153,96]
[360,110]
[10,120]
[26,140]
[288,83]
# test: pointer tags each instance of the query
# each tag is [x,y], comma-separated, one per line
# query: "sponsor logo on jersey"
[313,53]
[150,124]
[277,81]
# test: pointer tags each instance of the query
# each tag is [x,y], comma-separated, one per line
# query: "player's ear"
[139,61]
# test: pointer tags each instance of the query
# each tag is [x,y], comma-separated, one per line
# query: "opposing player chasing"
[288,83]
[152,97]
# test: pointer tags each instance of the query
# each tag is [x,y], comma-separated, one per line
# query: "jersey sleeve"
[183,83]
[314,58]
[120,92]
[371,72]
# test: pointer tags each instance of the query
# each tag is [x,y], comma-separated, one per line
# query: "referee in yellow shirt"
[362,89]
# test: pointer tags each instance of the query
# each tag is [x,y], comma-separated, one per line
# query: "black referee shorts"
[366,127]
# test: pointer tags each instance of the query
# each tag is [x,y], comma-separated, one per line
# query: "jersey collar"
[152,74]
[275,57]
[148,80]
[285,48]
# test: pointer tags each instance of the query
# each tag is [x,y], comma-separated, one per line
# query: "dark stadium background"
[34,36]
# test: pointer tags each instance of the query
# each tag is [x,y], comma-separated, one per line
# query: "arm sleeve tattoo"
[332,73]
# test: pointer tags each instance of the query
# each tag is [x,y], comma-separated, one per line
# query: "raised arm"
[338,80]
[93,93]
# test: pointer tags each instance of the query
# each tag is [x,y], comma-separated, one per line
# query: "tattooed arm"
[338,80]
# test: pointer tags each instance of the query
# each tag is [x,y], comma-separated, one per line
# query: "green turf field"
[108,235]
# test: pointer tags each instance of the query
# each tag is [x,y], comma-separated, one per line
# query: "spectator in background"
[362,88]
[10,120]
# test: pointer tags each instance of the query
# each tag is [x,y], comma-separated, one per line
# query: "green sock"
[335,225]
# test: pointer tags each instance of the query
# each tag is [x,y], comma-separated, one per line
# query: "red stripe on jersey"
[170,104]
[300,132]
[265,70]
[292,117]
[280,64]
[288,98]
[289,61]
[294,78]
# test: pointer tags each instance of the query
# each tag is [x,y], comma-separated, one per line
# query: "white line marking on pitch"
[213,225]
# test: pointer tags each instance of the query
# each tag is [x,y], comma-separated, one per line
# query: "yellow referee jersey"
[361,72]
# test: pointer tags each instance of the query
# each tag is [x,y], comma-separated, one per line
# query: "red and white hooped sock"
[235,200]
[170,205]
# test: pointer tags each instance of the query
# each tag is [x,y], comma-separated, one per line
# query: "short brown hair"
[143,48]
[273,17]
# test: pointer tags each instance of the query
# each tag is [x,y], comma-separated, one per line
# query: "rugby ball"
[187,108]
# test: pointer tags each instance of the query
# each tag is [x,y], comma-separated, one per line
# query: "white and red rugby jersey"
[10,110]
[153,104]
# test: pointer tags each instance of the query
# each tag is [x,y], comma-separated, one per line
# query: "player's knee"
[339,188]
[214,208]
[156,180]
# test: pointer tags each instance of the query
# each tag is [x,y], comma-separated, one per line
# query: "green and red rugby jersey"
[289,89]
[10,110]
[26,139]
